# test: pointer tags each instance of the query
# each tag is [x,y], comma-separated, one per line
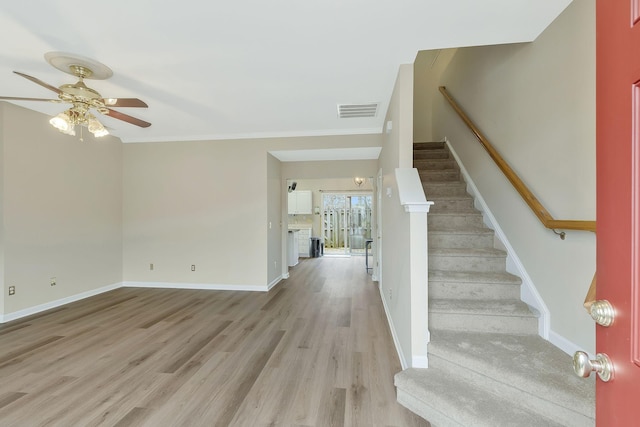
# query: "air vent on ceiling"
[346,111]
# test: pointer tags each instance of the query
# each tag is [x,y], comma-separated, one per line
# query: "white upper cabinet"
[300,202]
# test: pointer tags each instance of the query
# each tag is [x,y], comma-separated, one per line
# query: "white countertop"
[300,226]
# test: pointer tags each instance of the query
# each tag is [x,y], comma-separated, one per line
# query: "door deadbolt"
[602,312]
[583,366]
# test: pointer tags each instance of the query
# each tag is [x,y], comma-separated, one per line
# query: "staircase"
[487,364]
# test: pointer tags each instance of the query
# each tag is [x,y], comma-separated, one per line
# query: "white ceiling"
[248,68]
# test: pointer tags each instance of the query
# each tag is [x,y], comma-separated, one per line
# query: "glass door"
[346,223]
[359,222]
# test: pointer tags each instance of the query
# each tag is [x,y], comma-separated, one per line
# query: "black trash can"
[317,247]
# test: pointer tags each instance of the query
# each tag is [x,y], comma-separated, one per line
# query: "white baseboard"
[565,345]
[57,303]
[396,342]
[274,283]
[166,285]
[528,292]
[204,286]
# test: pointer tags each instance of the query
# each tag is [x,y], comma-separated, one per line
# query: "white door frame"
[377,264]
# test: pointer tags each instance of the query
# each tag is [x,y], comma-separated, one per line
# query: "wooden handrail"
[591,295]
[543,215]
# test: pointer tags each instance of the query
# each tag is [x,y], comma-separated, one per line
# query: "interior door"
[618,206]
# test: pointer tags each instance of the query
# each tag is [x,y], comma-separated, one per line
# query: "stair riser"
[462,221]
[467,263]
[435,145]
[454,205]
[483,323]
[439,175]
[429,165]
[490,380]
[452,189]
[430,154]
[496,291]
[460,241]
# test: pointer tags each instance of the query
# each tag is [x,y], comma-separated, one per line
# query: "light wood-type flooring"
[314,351]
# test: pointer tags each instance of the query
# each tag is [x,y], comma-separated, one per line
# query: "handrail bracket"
[562,234]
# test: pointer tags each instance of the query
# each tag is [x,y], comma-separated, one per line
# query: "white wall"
[62,208]
[536,103]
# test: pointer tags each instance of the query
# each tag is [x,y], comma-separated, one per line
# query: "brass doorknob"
[583,366]
[602,312]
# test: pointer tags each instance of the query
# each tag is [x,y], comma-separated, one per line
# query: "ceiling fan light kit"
[82,98]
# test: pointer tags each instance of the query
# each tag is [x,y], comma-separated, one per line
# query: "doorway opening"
[346,223]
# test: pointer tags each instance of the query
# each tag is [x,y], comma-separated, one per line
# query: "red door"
[618,206]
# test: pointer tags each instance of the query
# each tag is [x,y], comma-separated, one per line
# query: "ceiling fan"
[82,98]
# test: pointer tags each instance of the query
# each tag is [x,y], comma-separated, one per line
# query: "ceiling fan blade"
[17,98]
[127,118]
[40,82]
[124,102]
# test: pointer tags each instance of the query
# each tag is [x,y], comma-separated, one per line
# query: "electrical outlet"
[151,266]
[12,290]
[53,281]
[390,294]
[193,267]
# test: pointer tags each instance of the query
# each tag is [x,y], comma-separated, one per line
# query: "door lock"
[602,312]
[583,366]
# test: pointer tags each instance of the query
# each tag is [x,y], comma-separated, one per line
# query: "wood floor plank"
[191,350]
[332,410]
[10,397]
[133,418]
[314,351]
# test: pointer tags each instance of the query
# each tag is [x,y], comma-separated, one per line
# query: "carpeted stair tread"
[444,198]
[527,363]
[462,252]
[435,164]
[459,230]
[433,189]
[430,154]
[474,277]
[451,203]
[481,307]
[471,212]
[448,400]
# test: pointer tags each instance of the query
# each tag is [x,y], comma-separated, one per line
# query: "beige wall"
[396,152]
[427,67]
[3,288]
[65,206]
[62,208]
[195,203]
[536,103]
[274,222]
[207,203]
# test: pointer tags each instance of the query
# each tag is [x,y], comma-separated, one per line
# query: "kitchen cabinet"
[304,242]
[300,203]
[292,248]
